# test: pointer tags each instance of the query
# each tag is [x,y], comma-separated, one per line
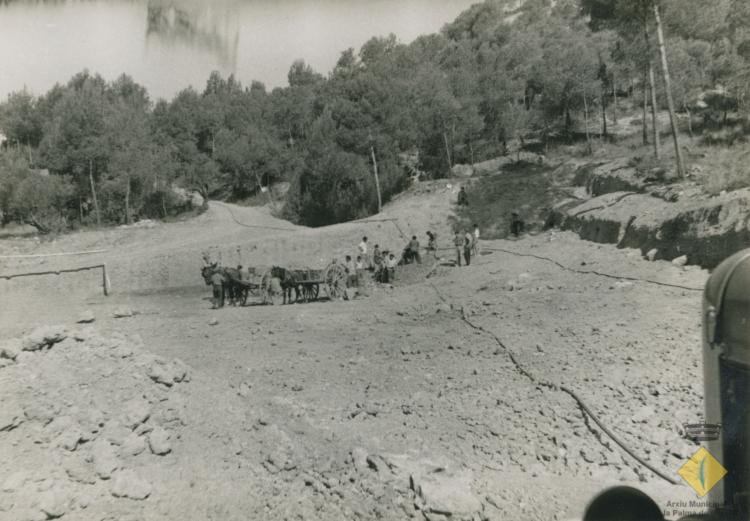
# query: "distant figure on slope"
[432,244]
[463,199]
[363,253]
[516,224]
[458,242]
[468,245]
[411,253]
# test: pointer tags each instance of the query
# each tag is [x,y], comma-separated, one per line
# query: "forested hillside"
[503,73]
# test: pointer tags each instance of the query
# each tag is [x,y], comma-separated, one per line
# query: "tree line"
[495,78]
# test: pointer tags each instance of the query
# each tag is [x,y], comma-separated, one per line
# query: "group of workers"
[382,262]
[466,244]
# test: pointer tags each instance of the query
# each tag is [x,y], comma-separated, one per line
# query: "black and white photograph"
[394,260]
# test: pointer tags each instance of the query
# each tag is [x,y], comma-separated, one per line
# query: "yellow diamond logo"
[702,472]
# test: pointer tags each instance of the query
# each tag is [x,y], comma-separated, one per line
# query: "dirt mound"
[89,419]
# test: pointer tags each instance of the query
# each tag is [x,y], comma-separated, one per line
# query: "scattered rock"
[213,322]
[680,261]
[11,416]
[44,413]
[123,313]
[85,333]
[43,337]
[651,255]
[244,390]
[79,471]
[643,414]
[443,307]
[359,458]
[104,459]
[69,438]
[135,412]
[168,373]
[132,445]
[158,441]
[86,317]
[126,483]
[14,481]
[54,502]
[447,493]
[10,349]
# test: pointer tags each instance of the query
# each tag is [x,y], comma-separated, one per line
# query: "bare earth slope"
[427,400]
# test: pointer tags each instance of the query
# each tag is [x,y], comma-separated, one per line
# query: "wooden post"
[614,95]
[377,179]
[654,122]
[447,151]
[586,121]
[668,88]
[652,86]
[105,281]
[645,109]
[93,193]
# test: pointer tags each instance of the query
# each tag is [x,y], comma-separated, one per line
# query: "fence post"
[105,280]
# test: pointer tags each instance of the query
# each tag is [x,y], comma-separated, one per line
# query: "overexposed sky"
[42,43]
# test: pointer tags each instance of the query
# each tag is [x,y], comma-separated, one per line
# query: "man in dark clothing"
[468,244]
[463,199]
[516,224]
[458,242]
[414,249]
[217,283]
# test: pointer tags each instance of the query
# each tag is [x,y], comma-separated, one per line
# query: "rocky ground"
[435,398]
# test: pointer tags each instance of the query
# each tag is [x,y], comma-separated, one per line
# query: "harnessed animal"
[231,287]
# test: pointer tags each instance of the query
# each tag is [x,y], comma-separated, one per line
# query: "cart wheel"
[335,278]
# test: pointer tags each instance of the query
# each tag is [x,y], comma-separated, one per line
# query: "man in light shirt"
[363,253]
[391,262]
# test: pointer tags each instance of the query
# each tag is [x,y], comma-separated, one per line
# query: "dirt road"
[426,400]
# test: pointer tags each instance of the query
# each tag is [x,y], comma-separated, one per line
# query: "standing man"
[463,199]
[217,283]
[468,245]
[391,264]
[351,270]
[377,257]
[458,242]
[414,249]
[363,253]
[431,244]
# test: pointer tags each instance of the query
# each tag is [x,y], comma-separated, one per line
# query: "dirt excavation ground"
[435,398]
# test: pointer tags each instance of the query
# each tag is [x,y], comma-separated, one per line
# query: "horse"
[231,286]
[289,280]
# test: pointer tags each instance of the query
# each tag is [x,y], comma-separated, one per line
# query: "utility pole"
[668,87]
[375,172]
[93,193]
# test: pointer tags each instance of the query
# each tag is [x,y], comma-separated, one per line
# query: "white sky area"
[45,43]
